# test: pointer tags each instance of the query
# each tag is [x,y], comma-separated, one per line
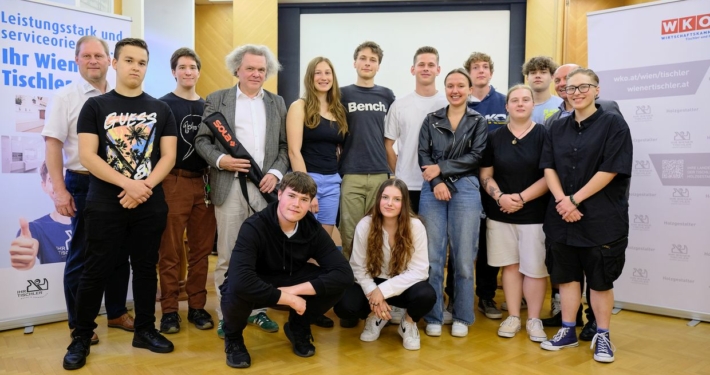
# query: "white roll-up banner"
[37,42]
[654,60]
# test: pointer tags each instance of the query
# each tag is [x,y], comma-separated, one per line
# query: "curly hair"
[478,57]
[234,59]
[403,248]
[538,63]
[312,104]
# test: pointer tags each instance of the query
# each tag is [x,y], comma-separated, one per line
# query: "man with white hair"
[258,120]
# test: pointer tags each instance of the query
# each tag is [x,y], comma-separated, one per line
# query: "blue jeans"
[328,196]
[456,223]
[117,287]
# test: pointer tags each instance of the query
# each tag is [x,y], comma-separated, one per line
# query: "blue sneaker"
[604,349]
[566,337]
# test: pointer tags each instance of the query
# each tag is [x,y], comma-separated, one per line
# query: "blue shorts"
[328,196]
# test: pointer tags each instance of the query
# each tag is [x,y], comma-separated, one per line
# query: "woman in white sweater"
[391,267]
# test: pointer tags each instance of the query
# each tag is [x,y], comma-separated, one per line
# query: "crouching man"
[269,266]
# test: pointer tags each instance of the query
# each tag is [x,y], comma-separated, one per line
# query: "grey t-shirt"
[364,148]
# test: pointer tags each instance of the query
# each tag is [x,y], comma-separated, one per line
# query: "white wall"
[335,36]
[168,25]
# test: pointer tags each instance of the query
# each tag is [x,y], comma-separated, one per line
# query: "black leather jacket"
[457,153]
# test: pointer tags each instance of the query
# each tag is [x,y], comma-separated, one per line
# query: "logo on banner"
[641,223]
[641,168]
[680,196]
[681,139]
[690,28]
[643,113]
[640,276]
[35,289]
[679,252]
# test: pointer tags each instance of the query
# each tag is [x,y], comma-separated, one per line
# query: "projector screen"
[455,34]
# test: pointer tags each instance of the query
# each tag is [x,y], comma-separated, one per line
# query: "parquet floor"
[646,344]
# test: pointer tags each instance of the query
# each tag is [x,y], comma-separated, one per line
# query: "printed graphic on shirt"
[130,138]
[369,107]
[496,119]
[549,112]
[54,239]
[188,127]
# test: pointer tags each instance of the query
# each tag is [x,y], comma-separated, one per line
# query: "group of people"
[530,182]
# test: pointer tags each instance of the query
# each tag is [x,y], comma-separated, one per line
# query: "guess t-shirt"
[129,131]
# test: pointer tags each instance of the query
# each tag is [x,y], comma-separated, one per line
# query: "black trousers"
[237,307]
[114,234]
[486,276]
[418,299]
[414,197]
[78,186]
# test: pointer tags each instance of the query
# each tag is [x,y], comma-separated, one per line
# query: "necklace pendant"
[515,141]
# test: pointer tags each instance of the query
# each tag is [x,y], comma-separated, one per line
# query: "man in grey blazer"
[560,80]
[258,119]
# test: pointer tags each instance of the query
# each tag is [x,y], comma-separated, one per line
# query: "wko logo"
[685,24]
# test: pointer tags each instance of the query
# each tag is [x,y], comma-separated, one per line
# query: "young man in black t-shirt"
[188,205]
[127,141]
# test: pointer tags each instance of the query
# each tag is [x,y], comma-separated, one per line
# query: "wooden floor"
[646,344]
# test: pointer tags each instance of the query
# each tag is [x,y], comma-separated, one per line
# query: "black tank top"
[319,147]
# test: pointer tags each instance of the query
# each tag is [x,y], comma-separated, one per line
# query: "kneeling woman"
[391,267]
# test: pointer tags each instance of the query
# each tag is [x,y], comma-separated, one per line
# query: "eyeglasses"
[583,88]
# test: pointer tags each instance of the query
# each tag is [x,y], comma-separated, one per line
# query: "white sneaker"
[459,329]
[509,327]
[410,335]
[448,317]
[373,327]
[535,330]
[433,330]
[555,304]
[397,314]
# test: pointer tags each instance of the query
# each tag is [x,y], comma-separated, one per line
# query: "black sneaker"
[589,330]
[170,323]
[556,320]
[237,354]
[152,340]
[201,318]
[77,352]
[301,340]
[323,321]
[349,323]
[488,307]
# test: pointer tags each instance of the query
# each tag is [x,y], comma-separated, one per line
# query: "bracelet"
[521,198]
[498,200]
[571,199]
